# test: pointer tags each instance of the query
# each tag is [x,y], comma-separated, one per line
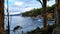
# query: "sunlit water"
[27,23]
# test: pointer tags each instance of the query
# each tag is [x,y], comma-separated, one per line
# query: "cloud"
[11,13]
[18,3]
[24,5]
[5,6]
[50,3]
[28,9]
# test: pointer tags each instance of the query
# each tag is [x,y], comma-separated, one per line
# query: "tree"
[58,11]
[1,16]
[57,29]
[8,18]
[43,3]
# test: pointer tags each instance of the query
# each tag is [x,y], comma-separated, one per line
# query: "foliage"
[33,12]
[38,11]
[42,30]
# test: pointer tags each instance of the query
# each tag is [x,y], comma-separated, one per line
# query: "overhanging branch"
[40,2]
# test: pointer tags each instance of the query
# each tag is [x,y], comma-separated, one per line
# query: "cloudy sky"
[18,6]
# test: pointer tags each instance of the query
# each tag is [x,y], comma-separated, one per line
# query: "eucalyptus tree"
[1,16]
[44,5]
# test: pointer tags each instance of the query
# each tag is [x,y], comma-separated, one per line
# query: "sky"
[19,6]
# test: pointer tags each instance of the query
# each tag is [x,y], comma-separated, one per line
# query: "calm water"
[27,23]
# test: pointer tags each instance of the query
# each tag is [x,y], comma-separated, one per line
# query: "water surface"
[27,23]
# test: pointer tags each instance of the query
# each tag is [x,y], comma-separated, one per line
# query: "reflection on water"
[27,23]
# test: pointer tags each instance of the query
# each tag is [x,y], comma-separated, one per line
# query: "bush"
[42,30]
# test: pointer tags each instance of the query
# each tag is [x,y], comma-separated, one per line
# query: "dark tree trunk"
[58,11]
[44,12]
[43,3]
[57,29]
[1,16]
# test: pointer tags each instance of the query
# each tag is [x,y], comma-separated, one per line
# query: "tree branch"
[40,2]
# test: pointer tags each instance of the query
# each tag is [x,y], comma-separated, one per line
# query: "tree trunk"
[1,16]
[44,12]
[58,11]
[43,3]
[57,29]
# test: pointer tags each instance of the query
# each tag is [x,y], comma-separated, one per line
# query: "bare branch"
[40,2]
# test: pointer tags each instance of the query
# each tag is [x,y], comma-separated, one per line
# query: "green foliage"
[33,12]
[38,11]
[36,31]
[51,27]
[42,30]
